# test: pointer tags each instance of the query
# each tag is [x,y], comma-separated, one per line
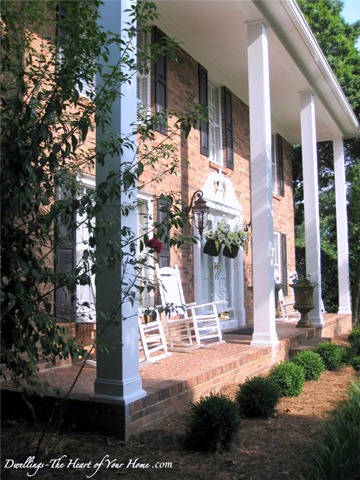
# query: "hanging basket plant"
[231,239]
[231,252]
[211,249]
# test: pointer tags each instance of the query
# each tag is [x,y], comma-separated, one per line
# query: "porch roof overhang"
[214,33]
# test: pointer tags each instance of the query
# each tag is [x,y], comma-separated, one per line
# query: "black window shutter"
[160,80]
[164,255]
[203,100]
[228,129]
[284,263]
[280,160]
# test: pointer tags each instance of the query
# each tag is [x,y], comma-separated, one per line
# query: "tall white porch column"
[311,200]
[261,186]
[341,227]
[117,375]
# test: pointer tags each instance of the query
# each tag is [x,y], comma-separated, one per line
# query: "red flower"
[154,244]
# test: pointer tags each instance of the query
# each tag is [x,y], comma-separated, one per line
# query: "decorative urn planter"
[304,302]
[210,248]
[231,253]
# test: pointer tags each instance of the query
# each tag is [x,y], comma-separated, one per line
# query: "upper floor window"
[278,174]
[143,65]
[215,123]
[81,69]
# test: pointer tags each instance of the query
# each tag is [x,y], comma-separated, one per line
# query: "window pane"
[277,262]
[215,124]
[143,74]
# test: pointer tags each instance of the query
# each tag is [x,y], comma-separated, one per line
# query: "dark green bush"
[350,358]
[331,354]
[212,424]
[355,362]
[336,452]
[290,378]
[354,340]
[258,397]
[310,362]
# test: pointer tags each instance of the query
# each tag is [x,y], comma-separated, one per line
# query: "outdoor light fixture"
[200,211]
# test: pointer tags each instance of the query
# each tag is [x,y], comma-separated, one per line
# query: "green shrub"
[290,378]
[310,362]
[331,354]
[354,340]
[212,424]
[258,397]
[350,358]
[355,362]
[336,454]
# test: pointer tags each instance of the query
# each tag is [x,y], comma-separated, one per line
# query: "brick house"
[259,69]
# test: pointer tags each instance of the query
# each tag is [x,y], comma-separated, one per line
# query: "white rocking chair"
[152,339]
[284,306]
[188,325]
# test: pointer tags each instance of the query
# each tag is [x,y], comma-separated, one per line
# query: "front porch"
[173,382]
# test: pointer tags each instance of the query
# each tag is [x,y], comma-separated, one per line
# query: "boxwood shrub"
[311,362]
[258,397]
[331,354]
[290,378]
[354,340]
[212,424]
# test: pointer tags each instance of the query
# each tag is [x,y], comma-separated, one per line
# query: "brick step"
[309,344]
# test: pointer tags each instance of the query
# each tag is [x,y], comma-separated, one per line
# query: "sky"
[351,10]
[351,13]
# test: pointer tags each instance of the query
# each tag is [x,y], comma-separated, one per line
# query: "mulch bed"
[272,449]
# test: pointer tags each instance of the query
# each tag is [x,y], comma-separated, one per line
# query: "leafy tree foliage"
[337,38]
[51,54]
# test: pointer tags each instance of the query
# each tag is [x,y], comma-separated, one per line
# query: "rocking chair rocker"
[188,325]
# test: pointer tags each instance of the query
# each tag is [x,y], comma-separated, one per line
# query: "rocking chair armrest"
[194,305]
[291,302]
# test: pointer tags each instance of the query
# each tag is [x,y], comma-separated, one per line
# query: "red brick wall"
[194,168]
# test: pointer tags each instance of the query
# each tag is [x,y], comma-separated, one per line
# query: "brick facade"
[194,168]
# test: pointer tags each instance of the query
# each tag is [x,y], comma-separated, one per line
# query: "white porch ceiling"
[214,33]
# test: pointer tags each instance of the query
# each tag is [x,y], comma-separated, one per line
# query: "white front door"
[219,279]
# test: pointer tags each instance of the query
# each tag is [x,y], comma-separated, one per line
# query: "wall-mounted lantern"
[200,211]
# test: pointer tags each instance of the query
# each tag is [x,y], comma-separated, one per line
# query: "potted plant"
[231,239]
[303,288]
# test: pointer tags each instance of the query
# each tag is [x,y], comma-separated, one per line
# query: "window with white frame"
[86,82]
[273,164]
[146,277]
[143,74]
[214,103]
[85,294]
[277,257]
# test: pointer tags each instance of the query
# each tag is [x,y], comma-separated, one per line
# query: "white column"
[311,200]
[118,379]
[341,227]
[261,186]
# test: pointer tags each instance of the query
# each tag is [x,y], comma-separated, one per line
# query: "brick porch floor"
[173,382]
